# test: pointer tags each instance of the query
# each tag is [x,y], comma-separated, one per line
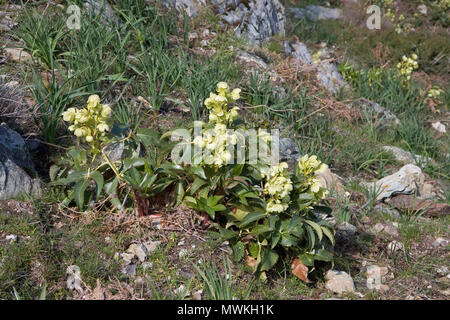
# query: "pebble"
[440,242]
[394,246]
[339,282]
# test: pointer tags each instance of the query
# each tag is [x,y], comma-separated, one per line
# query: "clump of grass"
[218,287]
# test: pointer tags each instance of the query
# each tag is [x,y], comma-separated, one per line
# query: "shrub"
[264,210]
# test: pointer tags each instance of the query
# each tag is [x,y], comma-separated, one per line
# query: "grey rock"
[152,246]
[375,110]
[329,77]
[190,7]
[394,246]
[383,209]
[288,150]
[326,72]
[104,9]
[347,229]
[130,269]
[440,242]
[391,229]
[316,13]
[6,23]
[378,227]
[339,282]
[406,157]
[405,181]
[138,250]
[254,20]
[12,144]
[299,51]
[251,59]
[15,166]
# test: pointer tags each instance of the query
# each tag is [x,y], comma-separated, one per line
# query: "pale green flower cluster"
[444,4]
[90,123]
[435,92]
[215,141]
[278,186]
[218,104]
[309,166]
[390,15]
[406,67]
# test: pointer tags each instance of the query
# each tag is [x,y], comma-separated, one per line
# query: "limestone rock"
[331,181]
[406,157]
[326,72]
[17,54]
[405,181]
[15,166]
[190,7]
[104,9]
[339,282]
[375,110]
[329,77]
[255,20]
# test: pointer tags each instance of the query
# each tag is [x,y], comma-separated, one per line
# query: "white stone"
[438,126]
[394,246]
[440,242]
[404,181]
[339,282]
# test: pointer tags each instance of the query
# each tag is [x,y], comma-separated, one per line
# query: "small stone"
[422,9]
[197,295]
[446,292]
[378,227]
[129,269]
[439,127]
[391,229]
[138,250]
[440,242]
[442,270]
[339,282]
[11,238]
[139,282]
[183,253]
[127,257]
[375,275]
[152,246]
[18,54]
[347,229]
[366,220]
[179,290]
[147,265]
[394,246]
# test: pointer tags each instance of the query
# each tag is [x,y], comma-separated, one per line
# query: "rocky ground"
[315,71]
